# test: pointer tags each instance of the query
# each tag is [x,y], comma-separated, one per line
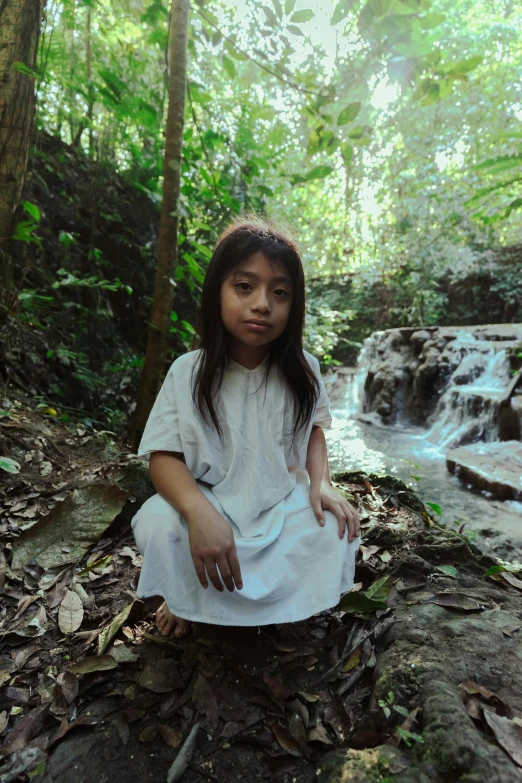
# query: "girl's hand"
[324,496]
[212,544]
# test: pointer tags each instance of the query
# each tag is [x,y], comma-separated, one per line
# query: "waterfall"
[468,411]
[366,356]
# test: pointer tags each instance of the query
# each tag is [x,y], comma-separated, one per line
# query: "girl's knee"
[158,521]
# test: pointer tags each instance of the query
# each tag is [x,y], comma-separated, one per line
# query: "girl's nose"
[262,302]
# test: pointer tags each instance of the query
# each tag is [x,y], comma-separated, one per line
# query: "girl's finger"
[353,527]
[225,572]
[233,562]
[213,574]
[200,571]
[318,511]
[341,521]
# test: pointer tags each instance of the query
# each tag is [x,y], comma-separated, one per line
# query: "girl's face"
[259,290]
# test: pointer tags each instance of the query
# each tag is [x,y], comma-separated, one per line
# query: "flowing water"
[417,456]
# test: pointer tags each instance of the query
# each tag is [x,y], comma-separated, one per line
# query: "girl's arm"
[210,536]
[317,459]
[322,494]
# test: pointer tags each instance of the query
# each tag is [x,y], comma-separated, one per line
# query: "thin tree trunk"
[89,82]
[157,340]
[20,22]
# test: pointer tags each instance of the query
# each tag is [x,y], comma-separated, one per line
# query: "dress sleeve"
[322,416]
[161,432]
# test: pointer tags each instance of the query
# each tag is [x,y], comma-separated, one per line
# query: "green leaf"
[33,210]
[289,6]
[430,21]
[205,251]
[349,113]
[278,8]
[507,135]
[194,268]
[358,132]
[294,29]
[347,152]
[340,12]
[22,68]
[437,509]
[359,603]
[449,570]
[396,8]
[271,18]
[380,589]
[302,16]
[9,465]
[515,204]
[229,66]
[319,172]
[463,66]
[504,163]
[496,569]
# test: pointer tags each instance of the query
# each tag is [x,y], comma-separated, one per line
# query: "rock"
[495,467]
[434,659]
[419,337]
[417,377]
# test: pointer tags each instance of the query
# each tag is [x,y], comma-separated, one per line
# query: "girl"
[234,428]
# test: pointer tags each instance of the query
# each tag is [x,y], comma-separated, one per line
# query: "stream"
[495,526]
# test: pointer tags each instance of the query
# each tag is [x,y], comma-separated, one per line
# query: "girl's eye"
[282,291]
[242,289]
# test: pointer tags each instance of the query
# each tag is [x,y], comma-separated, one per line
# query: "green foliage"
[395,159]
[372,599]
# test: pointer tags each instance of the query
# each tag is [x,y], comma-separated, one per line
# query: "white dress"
[291,567]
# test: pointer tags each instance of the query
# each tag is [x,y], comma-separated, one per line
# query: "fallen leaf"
[276,688]
[171,735]
[509,630]
[110,630]
[455,600]
[148,734]
[161,676]
[69,685]
[511,579]
[507,733]
[359,603]
[353,661]
[70,613]
[368,551]
[122,728]
[318,734]
[93,663]
[297,729]
[449,570]
[309,697]
[27,727]
[205,701]
[82,516]
[285,739]
[385,556]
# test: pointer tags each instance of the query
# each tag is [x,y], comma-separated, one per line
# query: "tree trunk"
[157,340]
[19,33]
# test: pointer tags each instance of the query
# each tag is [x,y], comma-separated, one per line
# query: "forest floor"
[417,678]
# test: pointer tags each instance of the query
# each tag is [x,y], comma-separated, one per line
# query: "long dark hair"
[244,237]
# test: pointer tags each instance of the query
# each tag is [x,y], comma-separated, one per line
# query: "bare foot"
[167,622]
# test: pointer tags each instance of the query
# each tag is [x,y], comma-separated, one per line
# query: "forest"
[385,136]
